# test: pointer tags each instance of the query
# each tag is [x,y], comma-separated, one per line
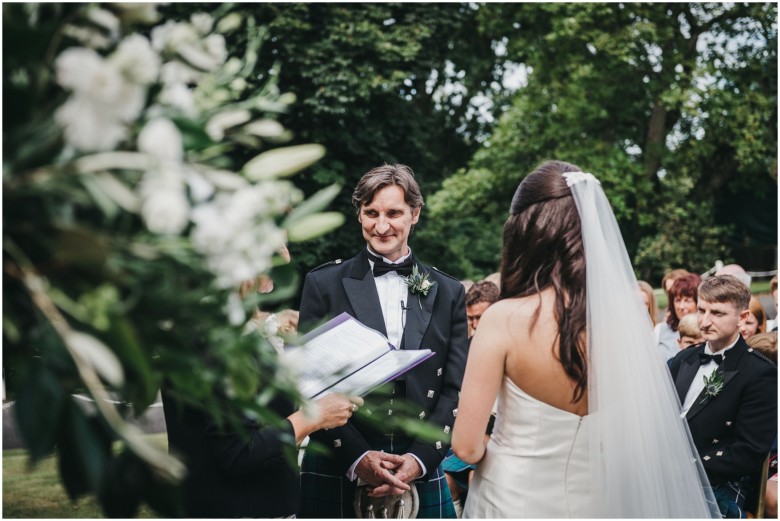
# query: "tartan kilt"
[327,493]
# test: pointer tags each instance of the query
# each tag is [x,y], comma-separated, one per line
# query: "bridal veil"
[643,461]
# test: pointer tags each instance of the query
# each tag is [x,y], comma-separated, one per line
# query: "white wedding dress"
[536,462]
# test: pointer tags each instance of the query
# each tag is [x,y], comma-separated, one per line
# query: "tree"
[627,91]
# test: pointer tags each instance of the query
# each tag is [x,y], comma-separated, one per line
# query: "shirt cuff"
[351,470]
[424,470]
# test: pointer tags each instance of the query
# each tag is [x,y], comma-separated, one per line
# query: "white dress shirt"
[697,385]
[393,298]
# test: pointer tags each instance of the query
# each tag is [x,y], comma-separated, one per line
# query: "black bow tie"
[381,267]
[704,359]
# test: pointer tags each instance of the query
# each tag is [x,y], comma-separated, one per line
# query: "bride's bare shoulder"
[510,313]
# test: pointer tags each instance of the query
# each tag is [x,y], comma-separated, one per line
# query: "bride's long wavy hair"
[543,248]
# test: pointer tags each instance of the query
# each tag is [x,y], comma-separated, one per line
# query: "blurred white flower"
[138,12]
[200,188]
[202,22]
[136,60]
[216,47]
[166,211]
[171,36]
[235,309]
[222,121]
[161,138]
[178,72]
[88,128]
[75,65]
[178,96]
[105,19]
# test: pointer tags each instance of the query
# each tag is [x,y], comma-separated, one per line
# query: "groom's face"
[719,322]
[387,221]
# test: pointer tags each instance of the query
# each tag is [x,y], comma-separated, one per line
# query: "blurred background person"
[682,300]
[689,332]
[771,325]
[766,344]
[479,297]
[737,271]
[756,320]
[649,299]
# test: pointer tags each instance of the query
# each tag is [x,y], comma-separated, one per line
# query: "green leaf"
[38,409]
[316,203]
[282,162]
[83,450]
[314,225]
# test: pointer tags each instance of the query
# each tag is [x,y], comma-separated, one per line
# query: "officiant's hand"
[332,410]
[407,471]
[373,469]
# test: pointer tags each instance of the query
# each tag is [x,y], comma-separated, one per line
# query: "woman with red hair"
[683,298]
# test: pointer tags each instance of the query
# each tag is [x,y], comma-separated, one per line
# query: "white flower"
[171,36]
[138,12]
[161,138]
[235,309]
[105,19]
[166,211]
[578,177]
[215,46]
[88,128]
[75,65]
[202,22]
[178,96]
[201,188]
[222,121]
[136,60]
[178,72]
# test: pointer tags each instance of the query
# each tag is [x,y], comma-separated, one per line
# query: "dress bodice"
[536,462]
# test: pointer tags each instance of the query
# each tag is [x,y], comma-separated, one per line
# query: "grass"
[37,492]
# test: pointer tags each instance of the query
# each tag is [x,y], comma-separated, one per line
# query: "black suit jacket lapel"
[362,294]
[688,369]
[729,370]
[419,311]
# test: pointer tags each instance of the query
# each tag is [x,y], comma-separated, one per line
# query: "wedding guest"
[737,271]
[728,393]
[772,324]
[478,298]
[375,287]
[688,328]
[756,320]
[766,344]
[649,299]
[682,300]
[671,277]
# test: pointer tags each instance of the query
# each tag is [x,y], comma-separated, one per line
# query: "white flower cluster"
[237,232]
[108,93]
[231,221]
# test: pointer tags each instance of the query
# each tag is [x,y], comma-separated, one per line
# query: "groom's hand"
[407,471]
[374,469]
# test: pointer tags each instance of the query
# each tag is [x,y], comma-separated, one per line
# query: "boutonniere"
[418,283]
[713,385]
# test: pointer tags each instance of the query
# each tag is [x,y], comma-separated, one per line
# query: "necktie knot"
[381,267]
[704,359]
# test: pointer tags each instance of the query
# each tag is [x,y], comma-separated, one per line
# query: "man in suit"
[728,393]
[373,287]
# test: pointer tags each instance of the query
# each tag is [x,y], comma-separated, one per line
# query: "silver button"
[439,371]
[438,445]
[337,443]
[389,412]
[715,440]
[706,458]
[446,429]
[430,393]
[455,412]
[422,415]
[719,453]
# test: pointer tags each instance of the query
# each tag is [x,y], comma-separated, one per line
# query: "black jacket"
[229,475]
[436,321]
[734,430]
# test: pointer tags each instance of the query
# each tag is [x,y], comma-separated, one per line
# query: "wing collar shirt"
[697,386]
[393,297]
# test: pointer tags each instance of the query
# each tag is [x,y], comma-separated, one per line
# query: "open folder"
[343,355]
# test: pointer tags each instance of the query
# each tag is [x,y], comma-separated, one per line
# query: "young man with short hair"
[728,393]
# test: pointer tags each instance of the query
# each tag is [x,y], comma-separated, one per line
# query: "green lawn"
[38,493]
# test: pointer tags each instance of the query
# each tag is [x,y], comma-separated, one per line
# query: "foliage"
[135,201]
[648,97]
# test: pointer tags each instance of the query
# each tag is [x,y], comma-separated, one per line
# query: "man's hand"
[375,469]
[406,472]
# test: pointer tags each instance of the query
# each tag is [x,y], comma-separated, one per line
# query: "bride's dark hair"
[543,248]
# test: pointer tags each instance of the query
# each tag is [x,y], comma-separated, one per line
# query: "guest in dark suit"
[250,471]
[728,393]
[372,286]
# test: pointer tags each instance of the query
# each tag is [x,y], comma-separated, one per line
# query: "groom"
[372,286]
[728,393]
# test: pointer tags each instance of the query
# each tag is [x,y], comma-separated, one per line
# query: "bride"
[588,420]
